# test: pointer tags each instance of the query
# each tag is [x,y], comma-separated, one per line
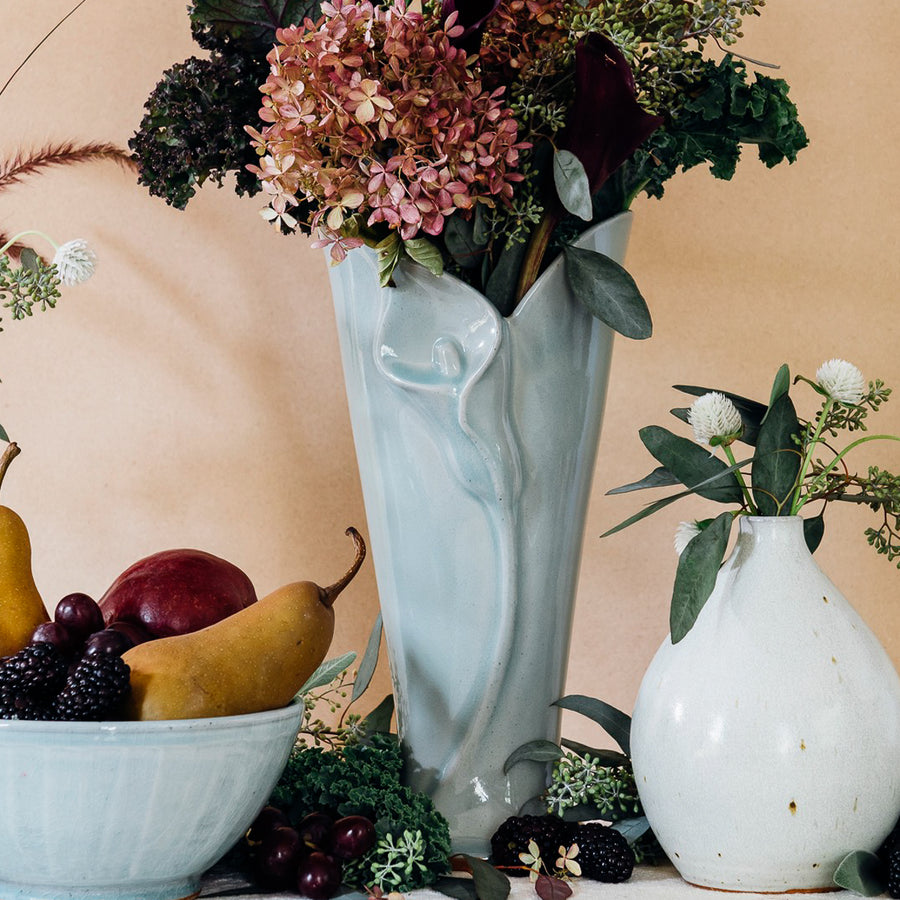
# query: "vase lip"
[758,524]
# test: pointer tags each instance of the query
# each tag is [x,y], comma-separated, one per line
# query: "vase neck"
[771,530]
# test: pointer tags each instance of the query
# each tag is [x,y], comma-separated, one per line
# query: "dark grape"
[268,818]
[134,632]
[53,633]
[319,876]
[315,830]
[352,837]
[107,641]
[277,858]
[80,614]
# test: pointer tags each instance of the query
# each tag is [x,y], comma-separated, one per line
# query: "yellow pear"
[21,606]
[253,660]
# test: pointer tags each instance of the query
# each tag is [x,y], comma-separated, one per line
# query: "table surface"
[647,883]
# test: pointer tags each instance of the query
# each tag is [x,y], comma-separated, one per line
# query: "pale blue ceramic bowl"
[131,810]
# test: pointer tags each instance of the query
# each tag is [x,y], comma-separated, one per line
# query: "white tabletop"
[647,883]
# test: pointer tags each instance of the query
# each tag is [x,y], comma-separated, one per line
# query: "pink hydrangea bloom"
[372,110]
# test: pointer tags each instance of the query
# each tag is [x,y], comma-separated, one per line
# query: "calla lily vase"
[476,436]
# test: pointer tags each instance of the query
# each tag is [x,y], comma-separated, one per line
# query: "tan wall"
[191,395]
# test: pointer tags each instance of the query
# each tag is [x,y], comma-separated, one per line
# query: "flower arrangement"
[478,138]
[794,464]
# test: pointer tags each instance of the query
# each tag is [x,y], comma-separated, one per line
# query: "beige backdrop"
[191,394]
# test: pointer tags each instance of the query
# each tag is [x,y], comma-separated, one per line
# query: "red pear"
[176,592]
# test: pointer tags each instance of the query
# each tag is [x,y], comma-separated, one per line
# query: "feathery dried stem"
[25,163]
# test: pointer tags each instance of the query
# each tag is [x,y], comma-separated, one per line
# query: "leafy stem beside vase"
[793,464]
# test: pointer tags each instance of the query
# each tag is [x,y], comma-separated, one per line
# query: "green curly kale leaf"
[364,779]
[724,112]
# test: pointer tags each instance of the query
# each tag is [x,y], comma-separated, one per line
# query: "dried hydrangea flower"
[715,419]
[842,381]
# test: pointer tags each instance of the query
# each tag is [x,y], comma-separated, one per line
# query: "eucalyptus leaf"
[30,260]
[572,185]
[3,435]
[608,292]
[535,806]
[613,721]
[648,510]
[659,477]
[533,751]
[389,252]
[454,886]
[369,661]
[813,532]
[378,721]
[861,872]
[462,242]
[777,460]
[632,829]
[583,812]
[425,253]
[695,577]
[504,279]
[781,385]
[691,464]
[490,883]
[602,755]
[327,672]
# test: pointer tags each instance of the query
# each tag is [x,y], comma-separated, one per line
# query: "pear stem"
[329,595]
[9,454]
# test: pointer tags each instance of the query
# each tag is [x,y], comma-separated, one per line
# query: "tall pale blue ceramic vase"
[476,437]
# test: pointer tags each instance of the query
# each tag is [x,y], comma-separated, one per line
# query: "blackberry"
[603,853]
[21,706]
[512,837]
[95,689]
[28,681]
[889,854]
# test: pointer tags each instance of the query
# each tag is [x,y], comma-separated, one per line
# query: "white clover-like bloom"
[75,262]
[714,416]
[842,381]
[684,534]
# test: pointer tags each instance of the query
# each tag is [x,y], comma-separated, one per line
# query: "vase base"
[743,890]
[471,846]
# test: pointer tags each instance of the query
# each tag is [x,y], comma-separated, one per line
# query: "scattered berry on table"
[603,853]
[511,838]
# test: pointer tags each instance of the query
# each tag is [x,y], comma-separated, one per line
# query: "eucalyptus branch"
[748,499]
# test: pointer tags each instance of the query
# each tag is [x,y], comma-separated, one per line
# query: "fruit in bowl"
[176,592]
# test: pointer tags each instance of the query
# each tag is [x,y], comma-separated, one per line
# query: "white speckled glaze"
[131,810]
[766,743]
[476,437]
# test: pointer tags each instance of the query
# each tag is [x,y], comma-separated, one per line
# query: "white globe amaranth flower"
[714,418]
[75,262]
[842,381]
[684,534]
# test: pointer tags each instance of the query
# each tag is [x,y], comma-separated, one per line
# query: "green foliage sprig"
[793,464]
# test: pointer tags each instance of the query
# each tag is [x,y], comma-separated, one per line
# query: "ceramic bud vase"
[476,437]
[766,743]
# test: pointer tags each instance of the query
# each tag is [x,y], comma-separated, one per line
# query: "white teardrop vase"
[766,743]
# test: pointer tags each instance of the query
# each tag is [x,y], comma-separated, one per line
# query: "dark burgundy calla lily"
[605,123]
[472,17]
